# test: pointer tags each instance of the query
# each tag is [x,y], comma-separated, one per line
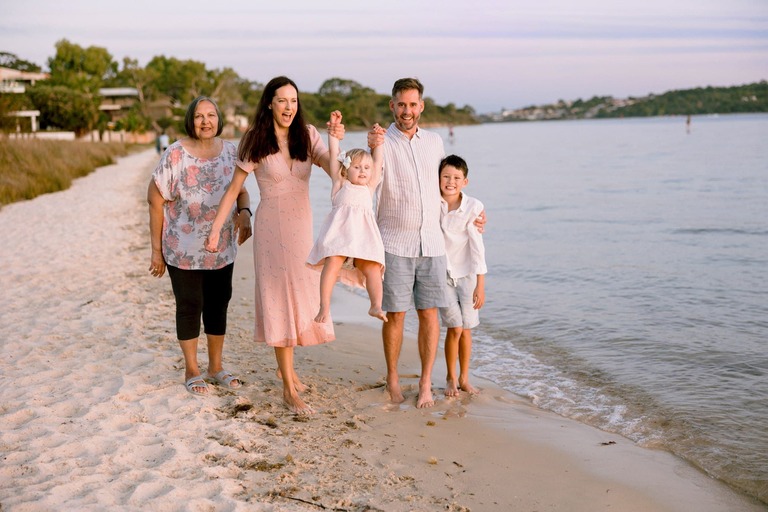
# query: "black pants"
[201,292]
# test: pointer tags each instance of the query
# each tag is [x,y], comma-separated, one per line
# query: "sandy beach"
[94,414]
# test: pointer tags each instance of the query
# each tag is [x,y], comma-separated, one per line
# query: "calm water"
[628,278]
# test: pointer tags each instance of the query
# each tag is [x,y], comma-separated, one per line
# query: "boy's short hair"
[454,161]
[189,117]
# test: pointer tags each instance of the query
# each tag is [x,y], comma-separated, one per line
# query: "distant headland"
[702,100]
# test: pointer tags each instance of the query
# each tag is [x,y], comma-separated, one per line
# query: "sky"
[488,54]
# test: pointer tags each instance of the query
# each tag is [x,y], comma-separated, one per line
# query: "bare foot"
[296,405]
[395,395]
[425,396]
[377,313]
[300,386]
[469,388]
[451,389]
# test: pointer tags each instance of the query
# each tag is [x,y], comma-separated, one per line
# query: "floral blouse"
[193,188]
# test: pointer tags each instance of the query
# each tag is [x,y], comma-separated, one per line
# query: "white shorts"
[460,312]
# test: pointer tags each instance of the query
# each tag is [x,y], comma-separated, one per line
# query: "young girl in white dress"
[349,247]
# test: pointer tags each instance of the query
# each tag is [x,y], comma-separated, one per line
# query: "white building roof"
[109,92]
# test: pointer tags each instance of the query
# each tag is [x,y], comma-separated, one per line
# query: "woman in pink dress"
[279,149]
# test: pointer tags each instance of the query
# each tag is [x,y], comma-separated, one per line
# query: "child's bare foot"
[451,389]
[469,388]
[425,396]
[377,313]
[395,395]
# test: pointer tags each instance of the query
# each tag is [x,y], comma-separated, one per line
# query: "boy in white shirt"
[466,271]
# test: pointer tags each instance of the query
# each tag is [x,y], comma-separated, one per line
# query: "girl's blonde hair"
[354,155]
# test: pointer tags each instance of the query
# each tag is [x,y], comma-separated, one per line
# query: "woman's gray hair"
[189,118]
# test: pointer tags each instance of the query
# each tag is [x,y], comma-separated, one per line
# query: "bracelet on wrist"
[246,208]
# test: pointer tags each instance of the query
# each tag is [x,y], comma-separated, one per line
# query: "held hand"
[243,226]
[212,242]
[376,136]
[335,118]
[480,222]
[157,264]
[336,129]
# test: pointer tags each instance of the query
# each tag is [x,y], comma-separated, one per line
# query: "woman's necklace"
[285,151]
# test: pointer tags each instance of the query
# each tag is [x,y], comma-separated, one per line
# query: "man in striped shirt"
[408,214]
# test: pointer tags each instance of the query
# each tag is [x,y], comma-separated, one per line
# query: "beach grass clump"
[31,167]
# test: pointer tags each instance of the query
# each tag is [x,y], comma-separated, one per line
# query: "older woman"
[184,195]
[279,149]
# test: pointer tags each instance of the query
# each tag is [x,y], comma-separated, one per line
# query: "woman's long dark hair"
[259,141]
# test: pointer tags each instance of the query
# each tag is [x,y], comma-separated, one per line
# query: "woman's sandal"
[194,384]
[225,378]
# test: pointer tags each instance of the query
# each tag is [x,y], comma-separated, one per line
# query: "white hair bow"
[344,159]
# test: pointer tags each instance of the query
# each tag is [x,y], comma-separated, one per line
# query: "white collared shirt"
[463,242]
[408,199]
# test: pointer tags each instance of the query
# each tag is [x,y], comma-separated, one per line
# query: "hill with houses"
[703,100]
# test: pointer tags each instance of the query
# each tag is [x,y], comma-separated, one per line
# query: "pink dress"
[350,230]
[287,292]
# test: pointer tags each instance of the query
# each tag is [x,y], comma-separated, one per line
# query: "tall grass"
[31,167]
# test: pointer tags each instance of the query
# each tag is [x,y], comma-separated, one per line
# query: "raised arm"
[333,153]
[337,130]
[376,136]
[225,207]
[377,152]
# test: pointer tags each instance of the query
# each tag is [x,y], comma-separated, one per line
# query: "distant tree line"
[70,99]
[706,100]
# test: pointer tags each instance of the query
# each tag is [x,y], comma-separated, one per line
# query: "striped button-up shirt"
[408,199]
